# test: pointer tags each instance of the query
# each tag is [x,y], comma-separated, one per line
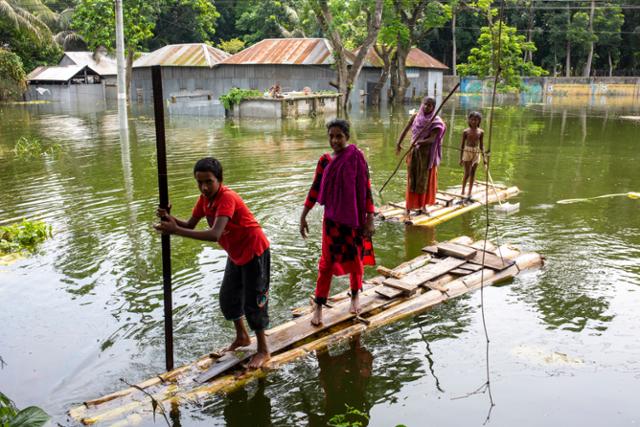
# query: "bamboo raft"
[442,272]
[449,204]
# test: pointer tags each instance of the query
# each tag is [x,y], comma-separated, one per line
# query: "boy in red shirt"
[245,285]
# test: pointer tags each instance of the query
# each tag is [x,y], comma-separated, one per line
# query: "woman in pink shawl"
[427,131]
[342,185]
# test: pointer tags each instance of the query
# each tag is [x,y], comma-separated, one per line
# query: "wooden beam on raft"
[456,250]
[178,385]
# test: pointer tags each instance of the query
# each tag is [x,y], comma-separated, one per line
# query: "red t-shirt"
[242,238]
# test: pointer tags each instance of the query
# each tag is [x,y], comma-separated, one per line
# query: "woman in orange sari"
[427,131]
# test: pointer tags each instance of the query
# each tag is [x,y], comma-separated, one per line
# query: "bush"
[13,80]
[23,236]
[235,95]
[231,46]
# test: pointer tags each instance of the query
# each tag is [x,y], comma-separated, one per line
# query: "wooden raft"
[448,204]
[444,271]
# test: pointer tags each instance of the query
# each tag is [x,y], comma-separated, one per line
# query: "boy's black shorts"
[245,291]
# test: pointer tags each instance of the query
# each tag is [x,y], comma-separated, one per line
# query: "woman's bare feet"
[316,318]
[258,360]
[355,304]
[240,341]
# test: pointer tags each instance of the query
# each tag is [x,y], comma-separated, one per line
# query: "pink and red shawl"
[423,126]
[343,191]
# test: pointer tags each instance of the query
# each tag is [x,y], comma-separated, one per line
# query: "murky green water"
[86,310]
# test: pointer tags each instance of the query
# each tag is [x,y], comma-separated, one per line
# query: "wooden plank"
[387,272]
[301,329]
[490,260]
[432,249]
[406,288]
[471,267]
[456,250]
[413,280]
[389,292]
[460,271]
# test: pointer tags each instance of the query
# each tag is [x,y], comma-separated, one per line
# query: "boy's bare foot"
[242,341]
[258,360]
[355,304]
[316,318]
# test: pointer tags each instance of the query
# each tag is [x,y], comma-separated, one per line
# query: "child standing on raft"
[472,146]
[342,185]
[245,286]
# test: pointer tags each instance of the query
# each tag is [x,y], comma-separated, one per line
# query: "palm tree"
[32,16]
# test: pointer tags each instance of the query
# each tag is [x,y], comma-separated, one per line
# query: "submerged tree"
[334,21]
[483,61]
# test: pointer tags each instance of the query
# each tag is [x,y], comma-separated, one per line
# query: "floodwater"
[86,309]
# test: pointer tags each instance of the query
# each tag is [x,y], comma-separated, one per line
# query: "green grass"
[30,148]
[236,95]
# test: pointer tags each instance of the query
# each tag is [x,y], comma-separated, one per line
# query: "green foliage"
[25,235]
[10,416]
[184,21]
[269,19]
[29,148]
[351,418]
[231,46]
[12,76]
[94,20]
[235,95]
[482,61]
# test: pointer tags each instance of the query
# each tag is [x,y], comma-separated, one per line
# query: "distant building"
[67,83]
[188,75]
[102,64]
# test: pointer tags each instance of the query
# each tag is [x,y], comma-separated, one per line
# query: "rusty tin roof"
[416,59]
[289,51]
[183,55]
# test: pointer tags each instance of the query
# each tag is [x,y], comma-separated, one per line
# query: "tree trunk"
[402,52]
[587,67]
[567,66]
[454,53]
[384,54]
[347,76]
[528,54]
[394,79]
[610,66]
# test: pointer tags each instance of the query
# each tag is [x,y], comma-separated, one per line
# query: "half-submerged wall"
[290,107]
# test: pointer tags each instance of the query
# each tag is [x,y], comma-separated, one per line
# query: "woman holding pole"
[427,131]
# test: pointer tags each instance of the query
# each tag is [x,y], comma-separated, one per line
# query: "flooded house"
[70,83]
[189,79]
[101,63]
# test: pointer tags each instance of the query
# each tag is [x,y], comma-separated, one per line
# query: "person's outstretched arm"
[166,213]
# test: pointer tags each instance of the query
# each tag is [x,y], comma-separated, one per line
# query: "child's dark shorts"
[245,291]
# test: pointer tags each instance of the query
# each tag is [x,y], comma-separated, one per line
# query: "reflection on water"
[86,310]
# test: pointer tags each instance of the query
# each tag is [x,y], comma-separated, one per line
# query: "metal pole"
[122,90]
[158,110]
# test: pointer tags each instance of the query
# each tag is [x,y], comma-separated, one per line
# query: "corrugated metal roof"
[183,55]
[55,74]
[416,59]
[292,51]
[105,66]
